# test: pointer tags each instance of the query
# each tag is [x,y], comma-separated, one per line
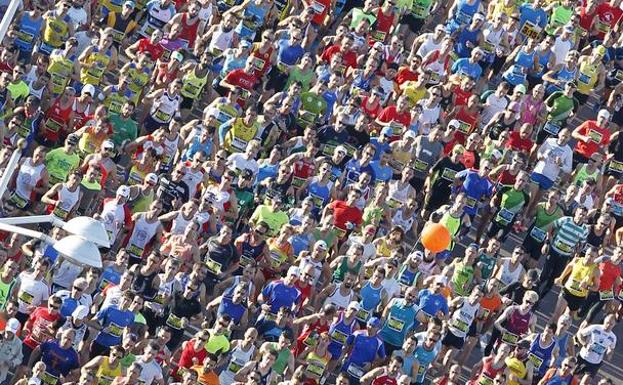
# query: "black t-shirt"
[444,173]
[219,257]
[170,191]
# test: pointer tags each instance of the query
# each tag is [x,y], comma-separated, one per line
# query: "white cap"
[12,325]
[108,144]
[321,244]
[409,134]
[124,191]
[441,279]
[479,16]
[151,178]
[293,270]
[80,312]
[454,123]
[88,89]
[604,113]
[341,148]
[354,305]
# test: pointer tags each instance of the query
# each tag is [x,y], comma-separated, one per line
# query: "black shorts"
[187,103]
[473,329]
[452,341]
[579,158]
[583,99]
[414,24]
[584,367]
[574,303]
[532,246]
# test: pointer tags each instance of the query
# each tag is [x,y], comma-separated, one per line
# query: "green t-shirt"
[60,164]
[127,360]
[281,363]
[274,219]
[217,344]
[123,129]
[511,203]
[561,106]
[18,90]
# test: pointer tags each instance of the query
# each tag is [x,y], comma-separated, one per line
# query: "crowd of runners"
[264,170]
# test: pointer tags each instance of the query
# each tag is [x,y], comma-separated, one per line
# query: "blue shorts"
[544,182]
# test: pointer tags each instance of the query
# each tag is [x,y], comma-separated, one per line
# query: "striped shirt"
[568,235]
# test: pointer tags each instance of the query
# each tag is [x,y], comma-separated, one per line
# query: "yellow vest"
[239,135]
[581,272]
[587,77]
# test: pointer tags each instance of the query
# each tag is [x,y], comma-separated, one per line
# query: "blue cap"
[374,322]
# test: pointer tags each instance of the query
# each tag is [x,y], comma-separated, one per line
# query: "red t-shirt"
[609,273]
[343,213]
[155,50]
[586,19]
[516,143]
[369,111]
[38,323]
[606,18]
[391,113]
[600,137]
[321,8]
[404,74]
[349,58]
[187,355]
[461,96]
[241,79]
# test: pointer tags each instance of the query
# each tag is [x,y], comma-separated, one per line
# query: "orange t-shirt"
[491,305]
[209,378]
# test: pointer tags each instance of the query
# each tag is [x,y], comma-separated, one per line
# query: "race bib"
[530,30]
[420,165]
[162,116]
[339,336]
[464,127]
[363,314]
[504,217]
[213,266]
[448,174]
[354,371]
[235,366]
[551,128]
[18,201]
[460,325]
[538,234]
[595,136]
[510,338]
[395,324]
[115,330]
[174,322]
[536,360]
[562,246]
[49,379]
[26,297]
[135,251]
[53,125]
[606,295]
[615,166]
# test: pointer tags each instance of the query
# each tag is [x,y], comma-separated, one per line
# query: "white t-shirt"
[238,162]
[31,292]
[560,49]
[151,371]
[550,149]
[66,273]
[494,104]
[78,16]
[599,341]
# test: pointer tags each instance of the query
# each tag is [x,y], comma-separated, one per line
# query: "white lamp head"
[79,251]
[89,229]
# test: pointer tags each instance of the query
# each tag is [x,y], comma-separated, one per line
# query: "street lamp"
[86,234]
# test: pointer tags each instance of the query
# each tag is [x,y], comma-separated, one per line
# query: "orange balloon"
[435,237]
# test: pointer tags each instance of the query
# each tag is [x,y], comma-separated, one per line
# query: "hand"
[558,282]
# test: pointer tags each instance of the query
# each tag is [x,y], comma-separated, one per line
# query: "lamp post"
[8,17]
[86,234]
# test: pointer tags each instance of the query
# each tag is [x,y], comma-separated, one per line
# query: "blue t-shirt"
[365,348]
[464,67]
[382,173]
[353,169]
[535,16]
[423,356]
[400,320]
[464,36]
[277,294]
[380,147]
[288,54]
[113,320]
[69,304]
[475,187]
[430,303]
[58,361]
